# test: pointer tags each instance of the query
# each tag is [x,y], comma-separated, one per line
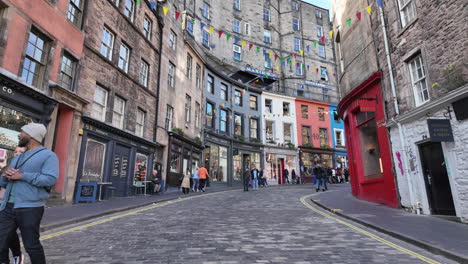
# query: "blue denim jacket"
[39,172]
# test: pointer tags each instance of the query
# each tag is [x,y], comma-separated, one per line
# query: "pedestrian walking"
[263,180]
[28,181]
[203,175]
[286,175]
[13,242]
[156,181]
[195,180]
[185,185]
[346,174]
[255,175]
[321,177]
[293,177]
[246,179]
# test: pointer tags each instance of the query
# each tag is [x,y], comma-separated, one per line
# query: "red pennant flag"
[177,14]
[322,38]
[276,56]
[359,16]
[317,69]
[295,55]
[250,46]
[254,84]
[220,33]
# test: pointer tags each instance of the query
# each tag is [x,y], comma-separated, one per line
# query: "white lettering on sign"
[7,90]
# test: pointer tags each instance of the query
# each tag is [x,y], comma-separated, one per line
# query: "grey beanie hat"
[35,130]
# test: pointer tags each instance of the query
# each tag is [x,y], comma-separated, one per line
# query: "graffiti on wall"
[411,159]
[400,164]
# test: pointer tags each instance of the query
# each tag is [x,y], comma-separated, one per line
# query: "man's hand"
[13,174]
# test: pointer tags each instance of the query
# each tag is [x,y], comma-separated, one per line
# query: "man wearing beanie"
[27,181]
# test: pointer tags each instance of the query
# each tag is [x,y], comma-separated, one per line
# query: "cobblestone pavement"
[267,226]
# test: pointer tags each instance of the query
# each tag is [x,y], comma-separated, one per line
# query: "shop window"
[99,104]
[172,40]
[141,168]
[238,98]
[287,133]
[305,111]
[306,135]
[285,109]
[93,166]
[268,106]
[223,92]
[75,11]
[253,128]
[188,67]
[118,112]
[124,57]
[107,43]
[253,102]
[210,84]
[35,59]
[169,116]
[11,122]
[144,72]
[67,71]
[147,27]
[188,108]
[269,131]
[175,163]
[370,150]
[238,125]
[129,10]
[140,122]
[323,132]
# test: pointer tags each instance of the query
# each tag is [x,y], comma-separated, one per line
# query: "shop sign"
[321,85]
[86,192]
[260,72]
[440,130]
[7,90]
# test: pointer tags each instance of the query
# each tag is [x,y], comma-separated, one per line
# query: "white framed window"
[210,84]
[144,72]
[223,121]
[147,27]
[107,43]
[253,102]
[237,4]
[418,80]
[189,27]
[237,52]
[140,122]
[198,76]
[285,108]
[129,10]
[296,24]
[253,128]
[269,106]
[267,61]
[266,14]
[172,40]
[407,11]
[67,71]
[99,104]
[197,114]
[294,6]
[236,26]
[323,74]
[247,29]
[171,74]
[318,14]
[223,92]
[188,67]
[75,11]
[206,10]
[188,108]
[321,51]
[118,112]
[35,59]
[238,131]
[298,68]
[297,44]
[267,36]
[206,38]
[287,133]
[339,138]
[319,31]
[169,116]
[124,57]
[269,130]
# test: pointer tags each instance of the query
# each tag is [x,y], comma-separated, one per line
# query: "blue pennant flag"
[262,79]
[213,46]
[308,48]
[153,5]
[202,25]
[379,2]
[236,39]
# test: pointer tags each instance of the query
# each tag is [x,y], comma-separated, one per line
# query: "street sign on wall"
[440,130]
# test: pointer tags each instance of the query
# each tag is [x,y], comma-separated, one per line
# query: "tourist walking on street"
[195,181]
[346,174]
[246,179]
[156,181]
[286,175]
[13,241]
[293,177]
[203,175]
[320,173]
[186,182]
[28,181]
[255,175]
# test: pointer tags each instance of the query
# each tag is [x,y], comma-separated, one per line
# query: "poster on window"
[141,166]
[94,161]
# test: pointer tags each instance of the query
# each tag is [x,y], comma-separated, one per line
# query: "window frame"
[210,84]
[223,119]
[172,40]
[72,73]
[130,14]
[236,125]
[417,92]
[171,74]
[237,52]
[198,76]
[266,14]
[102,118]
[319,29]
[305,114]
[291,140]
[309,138]
[267,138]
[223,91]
[40,64]
[294,6]
[197,114]
[298,69]
[342,138]
[326,139]
[188,66]
[406,18]
[168,122]
[256,129]
[147,32]
[267,36]
[297,44]
[322,51]
[210,114]
[269,106]
[144,73]
[206,39]
[321,114]
[125,61]
[246,28]
[286,106]
[324,74]
[255,101]
[238,95]
[206,10]
[237,5]
[119,125]
[236,26]
[142,124]
[80,10]
[267,63]
[296,24]
[188,108]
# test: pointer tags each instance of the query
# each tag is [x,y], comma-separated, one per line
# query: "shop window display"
[370,150]
[218,157]
[11,122]
[93,161]
[141,167]
[175,162]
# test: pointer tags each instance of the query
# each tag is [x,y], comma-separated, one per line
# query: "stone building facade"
[118,79]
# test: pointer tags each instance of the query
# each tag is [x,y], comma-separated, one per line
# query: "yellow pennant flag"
[211,30]
[277,68]
[165,10]
[302,52]
[292,63]
[312,68]
[270,54]
[331,33]
[243,43]
[369,9]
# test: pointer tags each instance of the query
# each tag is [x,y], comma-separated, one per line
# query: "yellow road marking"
[336,210]
[108,219]
[364,232]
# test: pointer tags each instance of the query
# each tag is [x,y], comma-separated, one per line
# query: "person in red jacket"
[203,174]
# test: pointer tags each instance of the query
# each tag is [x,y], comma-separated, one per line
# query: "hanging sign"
[321,85]
[440,130]
[260,72]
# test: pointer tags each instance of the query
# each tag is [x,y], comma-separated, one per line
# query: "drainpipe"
[397,112]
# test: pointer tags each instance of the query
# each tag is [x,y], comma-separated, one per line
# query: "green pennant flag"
[258,49]
[281,59]
[303,65]
[228,36]
[138,1]
[315,43]
[289,60]
[193,20]
[348,22]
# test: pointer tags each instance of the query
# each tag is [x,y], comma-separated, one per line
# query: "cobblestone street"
[268,226]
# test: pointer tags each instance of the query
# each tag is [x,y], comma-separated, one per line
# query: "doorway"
[280,171]
[120,173]
[436,179]
[245,162]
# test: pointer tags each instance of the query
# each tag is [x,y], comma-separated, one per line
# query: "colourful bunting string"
[153,5]
[243,43]
[250,46]
[211,30]
[177,15]
[348,22]
[369,9]
[359,15]
[220,33]
[165,10]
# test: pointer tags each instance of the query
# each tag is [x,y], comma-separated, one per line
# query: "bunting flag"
[281,58]
[317,69]
[250,46]
[369,9]
[308,48]
[153,5]
[331,33]
[379,2]
[243,43]
[270,54]
[338,27]
[177,15]
[193,21]
[277,68]
[315,43]
[165,10]
[295,56]
[236,39]
[228,36]
[262,79]
[202,25]
[211,30]
[322,38]
[348,22]
[220,33]
[308,67]
[359,15]
[276,57]
[138,1]
[301,52]
[258,49]
[289,60]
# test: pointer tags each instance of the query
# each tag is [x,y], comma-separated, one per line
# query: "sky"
[322,3]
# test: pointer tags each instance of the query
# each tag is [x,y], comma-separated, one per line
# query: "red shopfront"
[369,152]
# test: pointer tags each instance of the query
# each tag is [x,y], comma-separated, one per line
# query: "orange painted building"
[314,135]
[40,50]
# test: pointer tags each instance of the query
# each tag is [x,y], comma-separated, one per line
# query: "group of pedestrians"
[195,181]
[253,177]
[25,184]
